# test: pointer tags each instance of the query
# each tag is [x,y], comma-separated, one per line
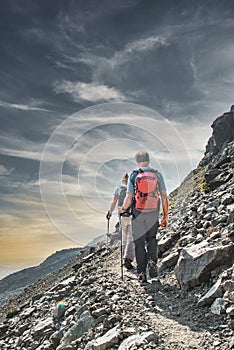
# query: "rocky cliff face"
[216,167]
[223,133]
[87,305]
[219,155]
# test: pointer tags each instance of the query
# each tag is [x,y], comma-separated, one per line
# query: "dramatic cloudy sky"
[153,75]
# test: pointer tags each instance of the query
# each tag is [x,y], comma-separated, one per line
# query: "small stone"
[199,238]
[214,235]
[40,328]
[221,208]
[210,209]
[3,329]
[106,341]
[100,312]
[230,310]
[21,329]
[216,343]
[56,337]
[227,199]
[170,260]
[219,220]
[230,297]
[208,216]
[231,323]
[28,312]
[219,306]
[206,224]
[138,339]
[193,207]
[228,285]
[214,292]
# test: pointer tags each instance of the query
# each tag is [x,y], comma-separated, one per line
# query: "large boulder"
[196,263]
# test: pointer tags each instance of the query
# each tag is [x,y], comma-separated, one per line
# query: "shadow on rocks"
[167,299]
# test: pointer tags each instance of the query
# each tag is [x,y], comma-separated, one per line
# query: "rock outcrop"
[223,133]
[196,263]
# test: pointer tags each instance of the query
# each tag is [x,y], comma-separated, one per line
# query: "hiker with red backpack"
[145,187]
[127,245]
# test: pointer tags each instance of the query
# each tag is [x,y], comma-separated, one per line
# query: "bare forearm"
[164,221]
[165,206]
[112,207]
[127,201]
[126,204]
[113,204]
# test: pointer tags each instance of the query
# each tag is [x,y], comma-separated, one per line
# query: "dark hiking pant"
[144,230]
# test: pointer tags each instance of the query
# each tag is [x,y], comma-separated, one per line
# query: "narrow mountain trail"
[174,314]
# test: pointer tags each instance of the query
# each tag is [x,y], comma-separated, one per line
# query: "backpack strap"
[152,170]
[133,176]
[132,179]
[156,173]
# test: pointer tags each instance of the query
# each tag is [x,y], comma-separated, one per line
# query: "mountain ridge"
[87,305]
[15,282]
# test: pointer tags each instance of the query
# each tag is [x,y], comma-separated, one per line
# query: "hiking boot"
[128,264]
[153,271]
[142,277]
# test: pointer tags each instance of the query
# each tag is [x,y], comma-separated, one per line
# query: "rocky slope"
[91,307]
[86,304]
[15,282]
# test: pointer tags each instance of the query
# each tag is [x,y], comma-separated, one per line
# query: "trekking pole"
[107,237]
[121,247]
[108,231]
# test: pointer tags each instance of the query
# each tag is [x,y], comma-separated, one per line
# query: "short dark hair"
[142,156]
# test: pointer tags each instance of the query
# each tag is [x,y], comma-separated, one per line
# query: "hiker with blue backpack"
[145,187]
[127,245]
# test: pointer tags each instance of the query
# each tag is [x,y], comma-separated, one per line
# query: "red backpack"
[146,191]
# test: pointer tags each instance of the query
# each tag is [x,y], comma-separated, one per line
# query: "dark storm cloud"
[47,43]
[29,33]
[65,55]
[21,166]
[60,56]
[172,77]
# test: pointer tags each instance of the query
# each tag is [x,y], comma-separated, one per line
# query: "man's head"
[142,158]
